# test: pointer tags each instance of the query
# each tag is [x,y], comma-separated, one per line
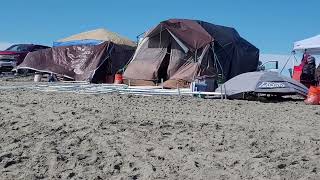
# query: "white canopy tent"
[310,45]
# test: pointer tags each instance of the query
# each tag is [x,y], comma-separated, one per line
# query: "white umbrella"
[262,82]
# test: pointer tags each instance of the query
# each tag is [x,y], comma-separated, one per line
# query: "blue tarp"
[78,42]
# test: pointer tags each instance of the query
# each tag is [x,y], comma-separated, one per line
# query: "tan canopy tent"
[102,35]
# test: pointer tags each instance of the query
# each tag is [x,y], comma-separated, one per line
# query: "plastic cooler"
[201,87]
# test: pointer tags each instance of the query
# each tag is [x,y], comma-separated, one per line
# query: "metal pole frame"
[217,62]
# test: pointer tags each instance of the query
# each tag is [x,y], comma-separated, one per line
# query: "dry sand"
[72,136]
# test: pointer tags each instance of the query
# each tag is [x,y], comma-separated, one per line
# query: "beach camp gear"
[80,63]
[308,72]
[37,77]
[178,51]
[297,71]
[310,46]
[317,74]
[262,83]
[313,97]
[94,37]
[118,79]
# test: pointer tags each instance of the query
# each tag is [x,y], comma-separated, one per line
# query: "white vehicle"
[272,66]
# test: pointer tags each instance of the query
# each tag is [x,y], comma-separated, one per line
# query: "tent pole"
[160,42]
[162,83]
[225,91]
[287,62]
[294,60]
[218,64]
[221,92]
[138,38]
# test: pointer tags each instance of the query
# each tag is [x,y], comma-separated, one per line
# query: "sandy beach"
[47,135]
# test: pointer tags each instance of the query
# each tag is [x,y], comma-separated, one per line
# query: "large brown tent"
[180,50]
[93,63]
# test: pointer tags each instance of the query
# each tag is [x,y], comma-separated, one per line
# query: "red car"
[15,54]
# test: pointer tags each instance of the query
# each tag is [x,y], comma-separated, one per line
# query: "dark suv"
[15,54]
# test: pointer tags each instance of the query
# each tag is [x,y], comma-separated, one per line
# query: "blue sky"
[271,25]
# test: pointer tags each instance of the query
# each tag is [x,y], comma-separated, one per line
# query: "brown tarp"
[80,63]
[190,32]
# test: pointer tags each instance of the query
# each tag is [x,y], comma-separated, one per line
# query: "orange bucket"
[118,79]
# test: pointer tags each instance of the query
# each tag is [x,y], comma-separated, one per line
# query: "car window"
[19,48]
[269,66]
[37,48]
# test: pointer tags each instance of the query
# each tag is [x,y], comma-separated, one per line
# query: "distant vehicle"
[269,66]
[15,54]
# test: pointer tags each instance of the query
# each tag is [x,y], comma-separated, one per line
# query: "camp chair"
[297,71]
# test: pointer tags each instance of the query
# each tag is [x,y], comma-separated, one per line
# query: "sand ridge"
[72,136]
